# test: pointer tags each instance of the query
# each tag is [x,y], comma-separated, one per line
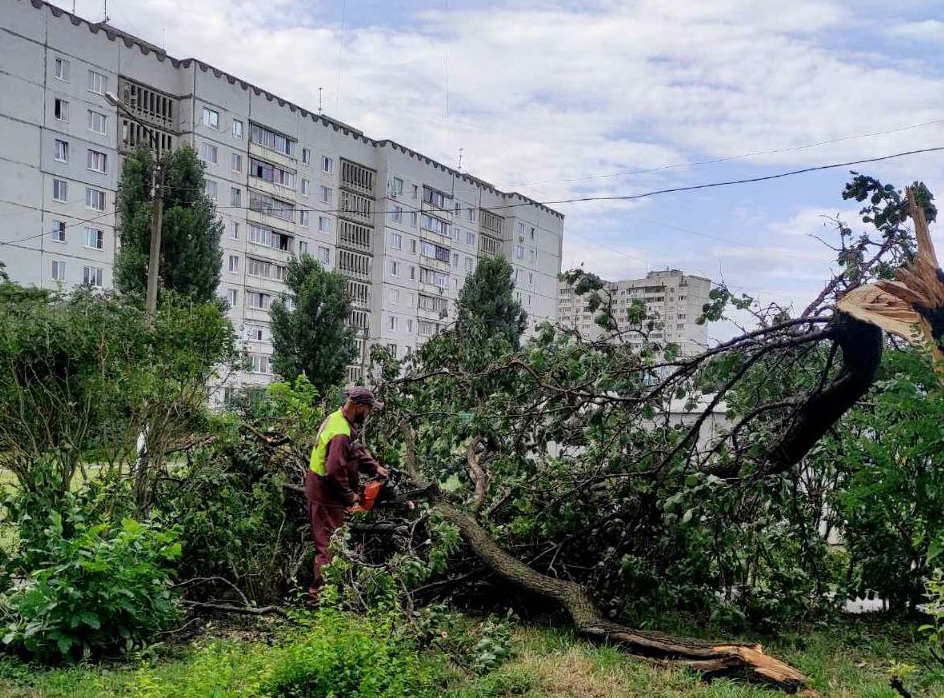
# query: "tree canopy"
[191,257]
[311,334]
[488,298]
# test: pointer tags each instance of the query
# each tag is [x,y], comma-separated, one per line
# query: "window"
[324,224]
[396,186]
[395,296]
[521,228]
[258,300]
[211,189]
[416,190]
[306,187]
[95,239]
[394,268]
[302,248]
[396,241]
[60,190]
[470,239]
[469,264]
[326,194]
[97,82]
[237,129]
[97,122]
[458,209]
[306,156]
[256,332]
[97,162]
[392,348]
[61,109]
[63,70]
[519,252]
[532,232]
[235,197]
[58,270]
[392,322]
[62,151]
[233,264]
[471,215]
[232,297]
[412,273]
[435,225]
[324,255]
[409,328]
[236,162]
[272,140]
[436,278]
[210,118]
[304,218]
[434,197]
[92,276]
[413,245]
[271,173]
[531,256]
[58,231]
[94,199]
[397,214]
[327,164]
[260,364]
[234,231]
[414,216]
[455,259]
[209,153]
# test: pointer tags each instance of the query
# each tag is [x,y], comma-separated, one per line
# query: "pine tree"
[190,235]
[310,330]
[488,299]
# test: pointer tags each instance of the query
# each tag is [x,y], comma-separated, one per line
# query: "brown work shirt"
[344,461]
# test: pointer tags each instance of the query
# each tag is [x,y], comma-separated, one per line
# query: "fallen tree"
[566,450]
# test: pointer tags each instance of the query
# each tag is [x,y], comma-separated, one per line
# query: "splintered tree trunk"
[712,658]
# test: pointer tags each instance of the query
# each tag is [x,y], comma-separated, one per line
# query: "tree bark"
[709,658]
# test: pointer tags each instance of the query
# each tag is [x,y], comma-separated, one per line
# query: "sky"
[564,99]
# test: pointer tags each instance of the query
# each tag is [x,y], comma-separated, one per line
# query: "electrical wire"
[729,158]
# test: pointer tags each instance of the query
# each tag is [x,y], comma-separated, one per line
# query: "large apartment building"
[404,229]
[674,299]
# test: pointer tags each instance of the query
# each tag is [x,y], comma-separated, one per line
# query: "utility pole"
[157,212]
[154,256]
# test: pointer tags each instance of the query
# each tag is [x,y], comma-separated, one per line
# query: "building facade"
[404,229]
[674,299]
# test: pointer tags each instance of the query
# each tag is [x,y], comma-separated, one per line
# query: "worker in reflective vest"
[332,482]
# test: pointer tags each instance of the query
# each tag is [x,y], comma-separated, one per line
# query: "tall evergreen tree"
[310,331]
[488,298]
[190,235]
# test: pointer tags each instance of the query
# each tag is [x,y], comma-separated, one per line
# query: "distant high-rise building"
[404,229]
[674,299]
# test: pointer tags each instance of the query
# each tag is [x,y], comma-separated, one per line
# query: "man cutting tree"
[331,483]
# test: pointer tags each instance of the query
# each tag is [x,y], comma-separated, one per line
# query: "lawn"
[849,659]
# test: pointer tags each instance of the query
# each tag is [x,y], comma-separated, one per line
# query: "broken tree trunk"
[710,658]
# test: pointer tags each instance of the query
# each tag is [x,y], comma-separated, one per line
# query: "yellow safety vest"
[334,425]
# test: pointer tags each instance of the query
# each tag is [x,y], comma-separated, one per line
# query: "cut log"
[712,658]
[707,657]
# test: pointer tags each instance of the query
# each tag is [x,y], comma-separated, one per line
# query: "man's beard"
[359,419]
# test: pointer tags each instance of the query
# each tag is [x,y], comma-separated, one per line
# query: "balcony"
[272,189]
[273,156]
[433,263]
[357,178]
[270,221]
[491,223]
[354,236]
[489,246]
[356,207]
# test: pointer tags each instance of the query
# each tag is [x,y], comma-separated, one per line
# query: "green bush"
[105,588]
[355,657]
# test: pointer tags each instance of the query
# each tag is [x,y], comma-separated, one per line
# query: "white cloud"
[564,95]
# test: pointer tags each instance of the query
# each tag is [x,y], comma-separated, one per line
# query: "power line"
[729,158]
[748,180]
[13,242]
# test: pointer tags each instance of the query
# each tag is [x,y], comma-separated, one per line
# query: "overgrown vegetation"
[554,463]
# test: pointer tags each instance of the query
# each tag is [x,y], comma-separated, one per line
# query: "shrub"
[355,657]
[103,589]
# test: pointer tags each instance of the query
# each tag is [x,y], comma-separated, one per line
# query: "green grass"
[848,660]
